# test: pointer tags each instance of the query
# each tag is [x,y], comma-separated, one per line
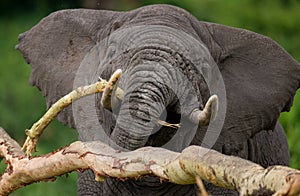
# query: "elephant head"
[172,65]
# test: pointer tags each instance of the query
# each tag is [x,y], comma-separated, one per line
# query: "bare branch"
[38,127]
[166,124]
[225,171]
[201,186]
[242,175]
[24,170]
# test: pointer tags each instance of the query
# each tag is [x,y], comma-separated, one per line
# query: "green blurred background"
[21,105]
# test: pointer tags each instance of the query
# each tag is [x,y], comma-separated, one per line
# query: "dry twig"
[201,186]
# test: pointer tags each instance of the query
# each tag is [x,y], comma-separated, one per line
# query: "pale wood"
[37,128]
[182,168]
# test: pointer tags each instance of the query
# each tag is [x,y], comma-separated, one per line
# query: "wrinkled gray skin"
[260,79]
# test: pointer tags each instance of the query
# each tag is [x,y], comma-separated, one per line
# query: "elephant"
[225,86]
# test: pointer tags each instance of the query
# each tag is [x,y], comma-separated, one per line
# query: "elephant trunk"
[146,96]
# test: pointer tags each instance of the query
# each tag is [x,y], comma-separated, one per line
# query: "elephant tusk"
[203,117]
[109,89]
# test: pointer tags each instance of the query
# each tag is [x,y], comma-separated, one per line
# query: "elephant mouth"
[166,131]
[165,127]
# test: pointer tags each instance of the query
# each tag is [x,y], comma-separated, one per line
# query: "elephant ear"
[55,48]
[260,77]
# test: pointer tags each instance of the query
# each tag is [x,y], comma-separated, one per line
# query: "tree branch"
[37,128]
[225,171]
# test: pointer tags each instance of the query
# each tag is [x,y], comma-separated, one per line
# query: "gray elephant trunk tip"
[203,117]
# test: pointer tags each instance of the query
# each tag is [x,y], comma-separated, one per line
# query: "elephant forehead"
[129,37]
[136,41]
[166,15]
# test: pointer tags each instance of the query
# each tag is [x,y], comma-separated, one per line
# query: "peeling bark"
[182,168]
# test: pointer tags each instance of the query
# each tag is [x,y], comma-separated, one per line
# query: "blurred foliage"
[17,7]
[21,105]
